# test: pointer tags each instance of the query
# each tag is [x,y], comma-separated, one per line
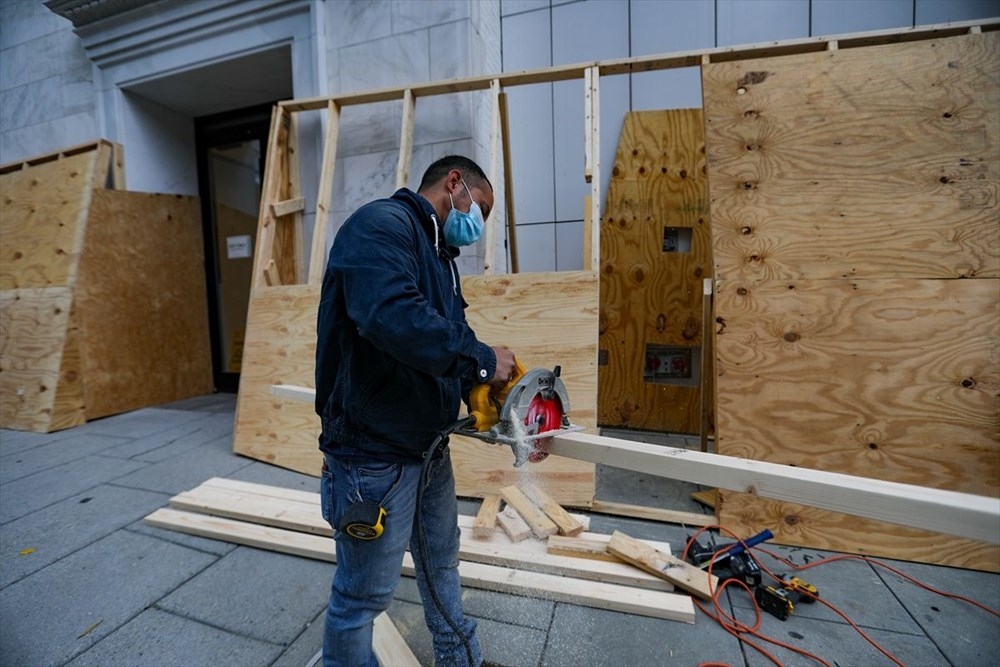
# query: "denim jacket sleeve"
[404,307]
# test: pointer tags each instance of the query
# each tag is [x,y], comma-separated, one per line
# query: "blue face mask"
[461,229]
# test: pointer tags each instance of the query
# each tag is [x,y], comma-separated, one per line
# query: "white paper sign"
[238,247]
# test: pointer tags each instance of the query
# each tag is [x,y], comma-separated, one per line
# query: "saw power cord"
[439,443]
[740,630]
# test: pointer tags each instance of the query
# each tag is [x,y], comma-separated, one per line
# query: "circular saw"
[524,415]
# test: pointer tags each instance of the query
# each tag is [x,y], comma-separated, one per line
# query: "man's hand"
[505,367]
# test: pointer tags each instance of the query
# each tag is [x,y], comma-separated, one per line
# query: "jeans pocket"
[376,480]
[326,496]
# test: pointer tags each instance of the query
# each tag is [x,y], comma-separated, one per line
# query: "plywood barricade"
[102,297]
[281,307]
[655,252]
[854,198]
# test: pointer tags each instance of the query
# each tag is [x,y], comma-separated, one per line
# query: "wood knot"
[791,519]
[742,291]
[746,230]
[791,336]
[683,173]
[969,383]
[873,445]
[661,323]
[18,255]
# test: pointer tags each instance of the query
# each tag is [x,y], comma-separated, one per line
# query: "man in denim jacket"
[394,359]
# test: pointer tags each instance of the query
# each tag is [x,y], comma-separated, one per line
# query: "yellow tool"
[524,414]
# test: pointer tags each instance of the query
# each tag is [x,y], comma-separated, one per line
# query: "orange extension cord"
[741,630]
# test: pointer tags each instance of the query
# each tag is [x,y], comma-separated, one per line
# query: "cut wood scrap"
[656,604]
[512,524]
[565,523]
[486,519]
[293,392]
[389,646]
[579,547]
[541,525]
[652,513]
[288,206]
[707,497]
[271,276]
[951,512]
[683,575]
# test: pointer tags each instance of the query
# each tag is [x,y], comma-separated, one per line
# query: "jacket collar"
[427,216]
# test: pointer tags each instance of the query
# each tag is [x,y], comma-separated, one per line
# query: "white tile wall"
[667,89]
[754,21]
[408,15]
[832,17]
[666,27]
[569,246]
[536,246]
[508,7]
[943,11]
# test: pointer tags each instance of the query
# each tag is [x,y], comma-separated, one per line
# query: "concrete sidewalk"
[84,582]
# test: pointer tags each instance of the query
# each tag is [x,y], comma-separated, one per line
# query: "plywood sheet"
[893,379]
[142,303]
[42,220]
[547,319]
[280,348]
[872,162]
[650,296]
[35,331]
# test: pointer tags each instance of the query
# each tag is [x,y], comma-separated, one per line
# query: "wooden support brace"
[508,183]
[271,276]
[406,140]
[832,45]
[541,525]
[652,513]
[317,255]
[683,575]
[287,207]
[566,524]
[486,519]
[951,512]
[513,525]
[490,234]
[268,195]
[294,191]
[707,332]
[595,170]
[588,125]
[389,646]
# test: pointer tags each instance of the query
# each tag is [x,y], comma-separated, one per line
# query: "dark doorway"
[231,151]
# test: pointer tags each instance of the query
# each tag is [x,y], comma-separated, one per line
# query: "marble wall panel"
[408,15]
[667,27]
[22,22]
[569,246]
[667,89]
[21,64]
[48,136]
[536,246]
[508,7]
[357,21]
[588,31]
[392,61]
[369,128]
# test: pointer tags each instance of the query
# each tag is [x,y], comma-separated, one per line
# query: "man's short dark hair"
[471,172]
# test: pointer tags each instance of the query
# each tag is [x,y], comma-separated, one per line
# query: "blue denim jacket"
[395,355]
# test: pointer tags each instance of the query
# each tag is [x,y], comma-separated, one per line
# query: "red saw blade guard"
[548,414]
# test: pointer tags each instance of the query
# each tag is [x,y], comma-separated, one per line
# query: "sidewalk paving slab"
[153,639]
[60,611]
[186,470]
[69,525]
[135,447]
[301,651]
[208,545]
[44,456]
[47,487]
[211,428]
[138,423]
[254,593]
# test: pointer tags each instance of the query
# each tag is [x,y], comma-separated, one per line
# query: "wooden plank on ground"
[707,497]
[964,514]
[565,523]
[580,547]
[657,604]
[541,525]
[486,519]
[652,513]
[681,574]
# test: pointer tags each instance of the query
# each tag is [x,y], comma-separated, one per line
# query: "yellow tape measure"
[363,520]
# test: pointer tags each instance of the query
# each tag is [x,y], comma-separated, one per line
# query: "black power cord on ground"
[439,442]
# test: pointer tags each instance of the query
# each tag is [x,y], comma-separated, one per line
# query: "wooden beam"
[287,207]
[389,646]
[293,191]
[489,243]
[595,171]
[294,393]
[707,334]
[652,513]
[486,519]
[263,253]
[650,63]
[694,580]
[614,597]
[951,512]
[588,125]
[317,255]
[406,140]
[581,548]
[508,183]
[271,276]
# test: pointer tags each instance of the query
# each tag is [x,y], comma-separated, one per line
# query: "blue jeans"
[369,570]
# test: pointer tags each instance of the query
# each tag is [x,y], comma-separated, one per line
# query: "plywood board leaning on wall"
[42,220]
[655,253]
[141,302]
[849,189]
[546,318]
